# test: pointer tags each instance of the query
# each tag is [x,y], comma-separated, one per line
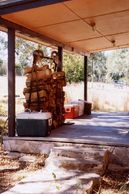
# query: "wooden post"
[60,53]
[85,79]
[11,82]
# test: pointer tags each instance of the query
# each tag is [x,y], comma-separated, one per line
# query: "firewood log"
[28,70]
[49,87]
[58,75]
[39,75]
[34,95]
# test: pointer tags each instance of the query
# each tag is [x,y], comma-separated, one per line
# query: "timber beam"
[21,5]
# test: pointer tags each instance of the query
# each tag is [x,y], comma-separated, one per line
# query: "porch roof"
[82,25]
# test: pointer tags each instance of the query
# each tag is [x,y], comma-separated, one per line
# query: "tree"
[24,50]
[73,67]
[118,65]
[2,68]
[24,53]
[97,66]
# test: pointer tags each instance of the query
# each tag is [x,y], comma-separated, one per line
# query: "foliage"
[24,54]
[118,65]
[3,41]
[97,66]
[23,51]
[3,108]
[19,69]
[3,128]
[73,67]
[2,68]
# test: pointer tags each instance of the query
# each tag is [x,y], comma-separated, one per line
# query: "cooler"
[88,106]
[76,110]
[80,104]
[71,111]
[33,124]
[81,107]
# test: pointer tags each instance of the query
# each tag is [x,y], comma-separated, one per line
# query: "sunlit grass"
[104,97]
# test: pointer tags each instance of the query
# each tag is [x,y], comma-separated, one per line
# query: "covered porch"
[100,128]
[76,26]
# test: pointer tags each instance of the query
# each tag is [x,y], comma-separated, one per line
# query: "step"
[73,163]
[78,152]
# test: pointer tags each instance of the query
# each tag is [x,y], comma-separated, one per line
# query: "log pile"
[44,92]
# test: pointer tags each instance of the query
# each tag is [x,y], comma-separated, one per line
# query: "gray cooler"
[33,124]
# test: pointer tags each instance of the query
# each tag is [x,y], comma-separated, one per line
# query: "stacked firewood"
[44,92]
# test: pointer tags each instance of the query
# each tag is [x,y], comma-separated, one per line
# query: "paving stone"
[120,156]
[72,163]
[28,159]
[23,146]
[13,155]
[78,152]
[63,182]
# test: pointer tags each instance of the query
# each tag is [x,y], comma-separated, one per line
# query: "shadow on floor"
[100,126]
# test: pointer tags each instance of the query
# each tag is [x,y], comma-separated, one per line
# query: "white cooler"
[80,105]
[33,124]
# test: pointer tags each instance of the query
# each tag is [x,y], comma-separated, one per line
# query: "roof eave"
[13,7]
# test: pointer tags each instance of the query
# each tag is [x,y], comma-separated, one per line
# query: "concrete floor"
[100,127]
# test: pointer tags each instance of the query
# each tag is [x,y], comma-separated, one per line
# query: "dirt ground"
[115,183]
[13,171]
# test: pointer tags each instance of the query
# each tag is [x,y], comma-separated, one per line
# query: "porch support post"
[85,79]
[11,82]
[60,53]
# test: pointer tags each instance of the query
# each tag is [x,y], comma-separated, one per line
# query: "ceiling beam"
[22,5]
